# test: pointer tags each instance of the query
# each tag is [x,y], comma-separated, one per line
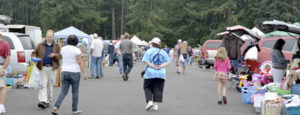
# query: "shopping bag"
[181,59]
[34,79]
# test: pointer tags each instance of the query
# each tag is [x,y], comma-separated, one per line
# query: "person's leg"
[148,84]
[98,65]
[2,95]
[75,89]
[111,59]
[93,67]
[277,75]
[158,88]
[129,64]
[224,91]
[43,97]
[219,90]
[120,63]
[124,63]
[51,81]
[65,80]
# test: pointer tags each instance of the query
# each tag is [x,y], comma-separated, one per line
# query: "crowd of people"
[154,56]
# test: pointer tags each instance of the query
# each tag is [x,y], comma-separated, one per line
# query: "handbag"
[143,72]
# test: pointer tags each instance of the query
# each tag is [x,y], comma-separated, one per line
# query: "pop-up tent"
[136,40]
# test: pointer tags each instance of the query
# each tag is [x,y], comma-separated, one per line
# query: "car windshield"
[26,42]
[213,44]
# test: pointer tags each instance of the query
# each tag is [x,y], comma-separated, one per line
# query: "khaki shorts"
[2,79]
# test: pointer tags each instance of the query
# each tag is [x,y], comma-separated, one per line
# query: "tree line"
[192,20]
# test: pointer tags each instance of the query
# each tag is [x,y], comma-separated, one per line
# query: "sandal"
[77,112]
[55,111]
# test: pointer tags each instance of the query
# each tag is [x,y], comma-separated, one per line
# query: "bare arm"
[7,60]
[80,62]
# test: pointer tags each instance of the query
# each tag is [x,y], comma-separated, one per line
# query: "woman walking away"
[183,56]
[72,64]
[222,67]
[278,61]
[156,61]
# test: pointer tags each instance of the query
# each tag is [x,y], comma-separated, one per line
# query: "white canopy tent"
[136,40]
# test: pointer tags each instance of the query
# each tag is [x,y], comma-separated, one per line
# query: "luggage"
[247,92]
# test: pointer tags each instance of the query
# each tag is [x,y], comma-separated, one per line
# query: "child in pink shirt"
[222,67]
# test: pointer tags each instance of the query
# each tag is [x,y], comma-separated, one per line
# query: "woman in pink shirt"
[221,66]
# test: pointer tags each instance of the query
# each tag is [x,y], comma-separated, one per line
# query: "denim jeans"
[67,79]
[120,62]
[111,59]
[96,67]
[235,64]
[127,63]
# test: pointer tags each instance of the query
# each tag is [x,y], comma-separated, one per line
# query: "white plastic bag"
[252,54]
[181,59]
[34,79]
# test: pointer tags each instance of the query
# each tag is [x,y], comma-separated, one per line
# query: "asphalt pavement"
[194,93]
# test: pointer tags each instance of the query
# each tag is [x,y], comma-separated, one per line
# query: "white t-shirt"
[97,46]
[69,54]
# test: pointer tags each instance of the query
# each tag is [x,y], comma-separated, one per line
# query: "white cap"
[95,35]
[155,40]
[179,41]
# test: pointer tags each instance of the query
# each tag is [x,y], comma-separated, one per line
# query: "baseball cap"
[122,36]
[155,40]
[179,40]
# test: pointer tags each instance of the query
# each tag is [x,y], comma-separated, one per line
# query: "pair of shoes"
[220,102]
[55,111]
[2,109]
[124,77]
[43,105]
[77,112]
[149,105]
[178,72]
[224,100]
[97,77]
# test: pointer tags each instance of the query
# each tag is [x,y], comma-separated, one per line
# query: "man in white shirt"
[96,51]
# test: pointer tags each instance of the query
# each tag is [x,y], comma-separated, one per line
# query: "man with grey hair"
[96,52]
[4,61]
[49,52]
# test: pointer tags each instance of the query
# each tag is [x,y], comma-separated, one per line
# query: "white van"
[21,47]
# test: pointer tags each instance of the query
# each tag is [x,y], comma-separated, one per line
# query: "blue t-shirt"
[167,50]
[161,58]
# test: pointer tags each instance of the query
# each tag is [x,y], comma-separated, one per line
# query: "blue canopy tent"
[64,34]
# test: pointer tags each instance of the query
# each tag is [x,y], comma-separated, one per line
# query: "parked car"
[265,45]
[21,47]
[209,51]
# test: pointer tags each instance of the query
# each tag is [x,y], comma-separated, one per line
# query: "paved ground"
[191,94]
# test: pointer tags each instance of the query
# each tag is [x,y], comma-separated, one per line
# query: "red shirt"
[4,49]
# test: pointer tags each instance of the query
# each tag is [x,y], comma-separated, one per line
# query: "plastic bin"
[295,89]
[292,111]
[247,92]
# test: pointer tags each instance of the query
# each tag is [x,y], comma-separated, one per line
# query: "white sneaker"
[2,109]
[149,105]
[155,107]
